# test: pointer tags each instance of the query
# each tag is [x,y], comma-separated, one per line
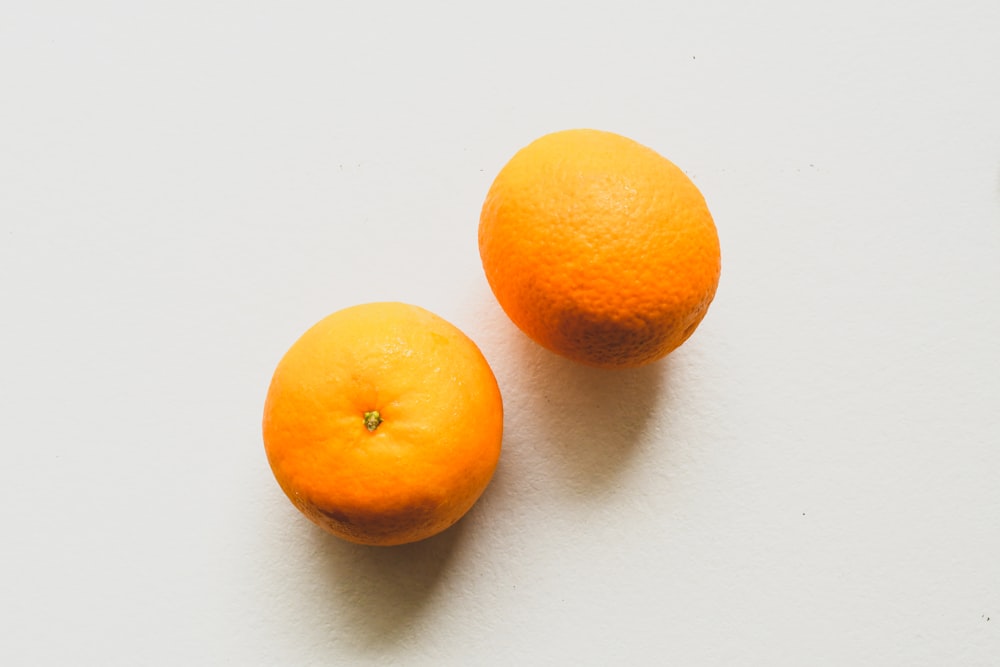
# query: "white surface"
[814,479]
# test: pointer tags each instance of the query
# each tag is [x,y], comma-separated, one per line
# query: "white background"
[813,479]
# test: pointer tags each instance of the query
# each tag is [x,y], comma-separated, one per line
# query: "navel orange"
[599,248]
[383,424]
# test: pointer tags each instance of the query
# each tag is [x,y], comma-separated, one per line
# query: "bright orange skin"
[599,248]
[424,465]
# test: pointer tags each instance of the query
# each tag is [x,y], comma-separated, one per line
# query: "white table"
[813,479]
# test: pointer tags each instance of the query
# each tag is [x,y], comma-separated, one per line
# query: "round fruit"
[599,248]
[383,424]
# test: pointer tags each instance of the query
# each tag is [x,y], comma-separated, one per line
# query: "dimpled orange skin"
[599,248]
[428,460]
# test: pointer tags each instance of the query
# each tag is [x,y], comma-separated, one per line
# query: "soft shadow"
[377,594]
[588,422]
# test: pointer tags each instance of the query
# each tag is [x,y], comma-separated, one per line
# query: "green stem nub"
[372,420]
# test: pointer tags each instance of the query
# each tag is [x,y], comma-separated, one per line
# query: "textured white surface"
[814,479]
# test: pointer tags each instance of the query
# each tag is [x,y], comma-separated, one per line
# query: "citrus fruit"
[382,423]
[599,248]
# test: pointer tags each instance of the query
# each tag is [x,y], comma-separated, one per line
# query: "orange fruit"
[599,248]
[382,423]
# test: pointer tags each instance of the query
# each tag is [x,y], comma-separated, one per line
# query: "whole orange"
[383,423]
[599,248]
